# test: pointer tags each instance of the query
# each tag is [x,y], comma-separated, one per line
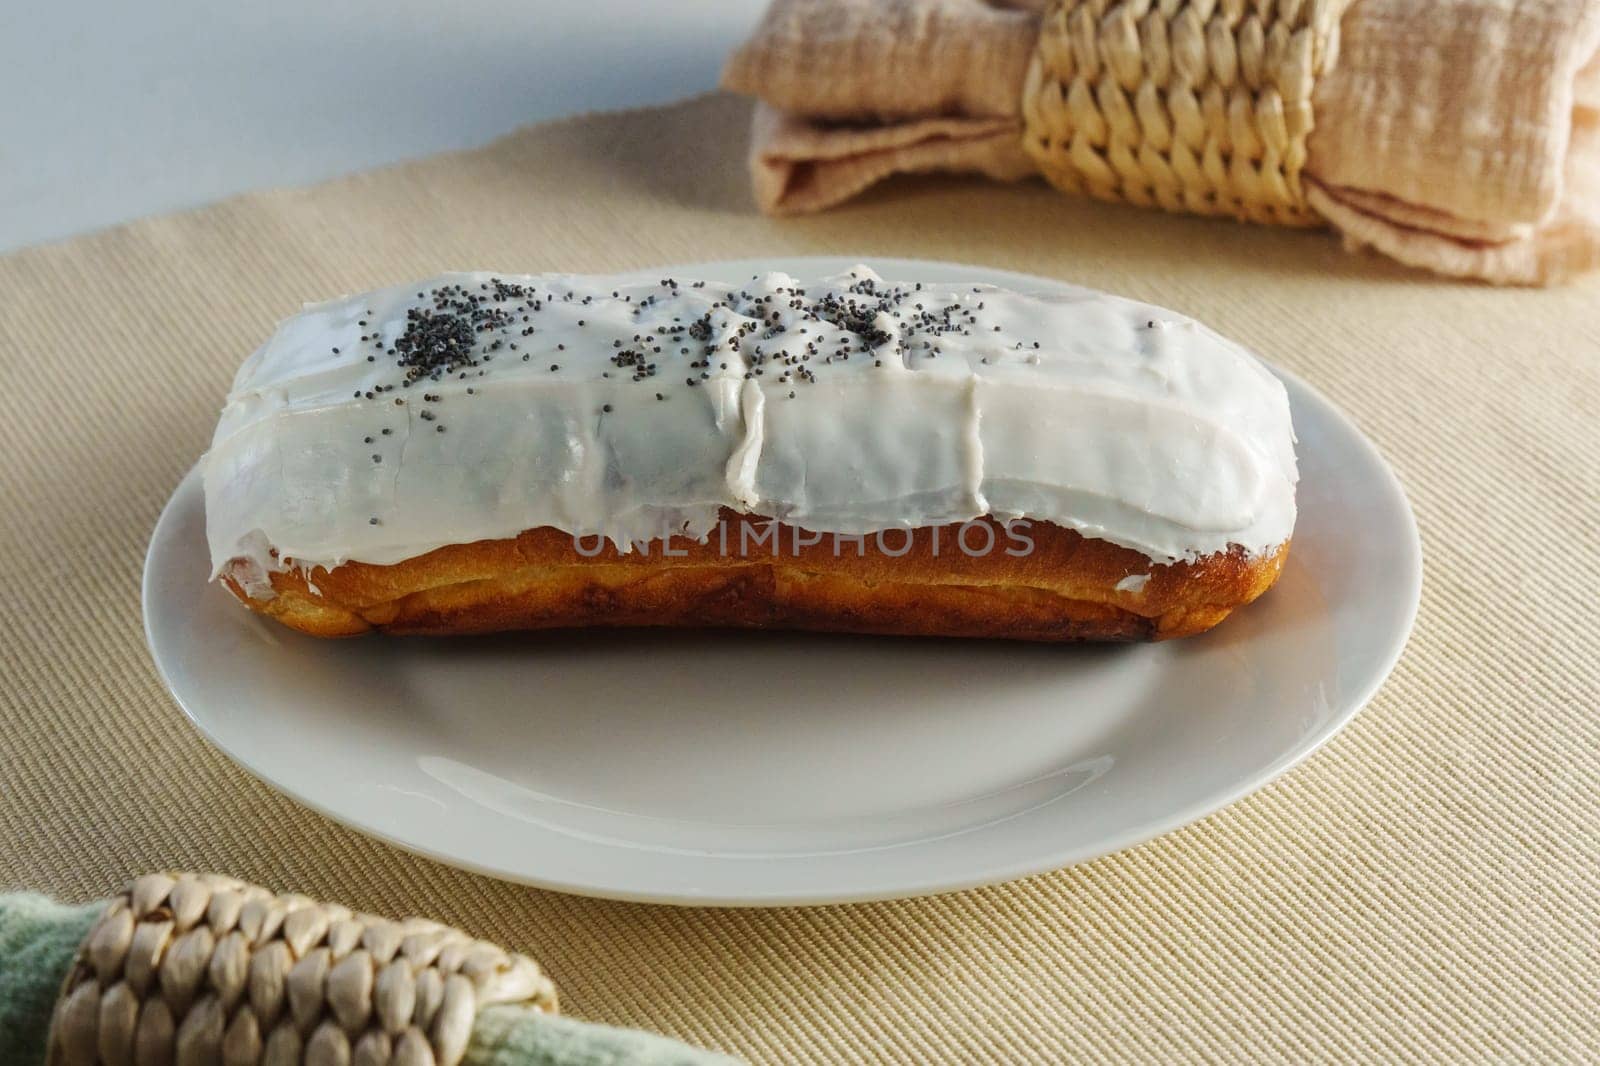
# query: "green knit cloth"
[38,938]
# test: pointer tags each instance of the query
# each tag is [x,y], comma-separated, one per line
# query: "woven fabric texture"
[1423,889]
[1460,135]
[201,967]
[1141,104]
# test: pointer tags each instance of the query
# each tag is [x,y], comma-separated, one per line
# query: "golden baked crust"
[1063,588]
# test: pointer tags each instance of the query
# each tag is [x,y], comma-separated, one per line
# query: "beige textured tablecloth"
[1424,889]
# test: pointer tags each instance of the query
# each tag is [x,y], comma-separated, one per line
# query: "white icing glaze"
[1133,583]
[1121,420]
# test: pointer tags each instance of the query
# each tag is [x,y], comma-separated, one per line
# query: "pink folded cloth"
[1462,136]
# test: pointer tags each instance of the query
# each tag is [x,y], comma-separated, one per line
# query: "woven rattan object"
[197,968]
[1191,105]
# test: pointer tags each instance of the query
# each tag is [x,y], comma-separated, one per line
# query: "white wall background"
[112,109]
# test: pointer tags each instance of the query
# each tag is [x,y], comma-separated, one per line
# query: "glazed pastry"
[485,452]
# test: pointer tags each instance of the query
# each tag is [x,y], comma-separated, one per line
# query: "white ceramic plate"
[768,768]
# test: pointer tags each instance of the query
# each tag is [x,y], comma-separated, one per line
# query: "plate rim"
[1045,859]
